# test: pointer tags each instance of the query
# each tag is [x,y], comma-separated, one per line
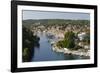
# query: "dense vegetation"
[29,42]
[68,41]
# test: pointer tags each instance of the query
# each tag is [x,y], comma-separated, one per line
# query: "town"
[72,36]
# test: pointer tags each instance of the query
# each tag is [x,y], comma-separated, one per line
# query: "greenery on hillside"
[29,42]
[50,22]
[68,41]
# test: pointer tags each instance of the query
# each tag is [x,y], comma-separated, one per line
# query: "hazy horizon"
[37,15]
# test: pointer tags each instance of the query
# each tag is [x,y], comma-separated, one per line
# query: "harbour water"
[45,53]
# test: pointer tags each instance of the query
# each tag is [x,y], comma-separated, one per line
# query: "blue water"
[45,53]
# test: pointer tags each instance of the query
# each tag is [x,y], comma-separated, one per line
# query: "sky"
[31,14]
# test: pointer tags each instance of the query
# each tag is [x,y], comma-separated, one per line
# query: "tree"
[69,39]
[29,42]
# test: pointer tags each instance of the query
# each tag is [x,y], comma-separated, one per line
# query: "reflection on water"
[45,53]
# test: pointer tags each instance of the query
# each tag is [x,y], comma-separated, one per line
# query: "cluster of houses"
[81,37]
[59,31]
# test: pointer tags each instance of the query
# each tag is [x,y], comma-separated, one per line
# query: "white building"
[81,35]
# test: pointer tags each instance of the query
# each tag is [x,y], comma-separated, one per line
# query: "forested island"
[67,36]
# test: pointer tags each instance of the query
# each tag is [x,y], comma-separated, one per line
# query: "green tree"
[69,39]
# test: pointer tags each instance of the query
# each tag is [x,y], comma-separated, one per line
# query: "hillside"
[30,22]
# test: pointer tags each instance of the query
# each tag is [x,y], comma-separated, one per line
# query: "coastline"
[79,52]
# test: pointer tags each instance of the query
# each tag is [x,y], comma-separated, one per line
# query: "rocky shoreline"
[80,52]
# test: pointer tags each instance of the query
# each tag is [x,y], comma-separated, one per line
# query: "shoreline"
[79,52]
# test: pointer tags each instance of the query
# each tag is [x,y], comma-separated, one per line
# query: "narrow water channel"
[45,53]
